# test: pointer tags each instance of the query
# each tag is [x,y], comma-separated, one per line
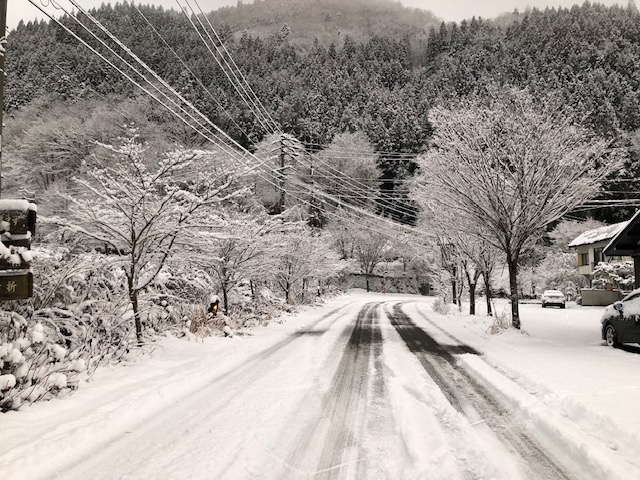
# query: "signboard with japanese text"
[17,228]
[16,285]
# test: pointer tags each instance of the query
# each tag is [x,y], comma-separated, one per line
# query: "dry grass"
[501,320]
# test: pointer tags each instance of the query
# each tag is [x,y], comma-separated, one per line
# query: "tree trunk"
[133,296]
[253,289]
[460,284]
[304,288]
[487,291]
[472,281]
[513,287]
[454,280]
[367,277]
[224,296]
[472,298]
[286,292]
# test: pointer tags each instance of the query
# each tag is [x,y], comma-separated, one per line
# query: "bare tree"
[348,176]
[145,211]
[237,248]
[507,169]
[303,256]
[371,247]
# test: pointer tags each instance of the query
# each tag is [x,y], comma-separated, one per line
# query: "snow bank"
[590,457]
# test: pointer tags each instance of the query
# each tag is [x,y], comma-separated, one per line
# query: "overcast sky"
[445,9]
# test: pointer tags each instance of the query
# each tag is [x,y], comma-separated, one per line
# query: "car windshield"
[632,296]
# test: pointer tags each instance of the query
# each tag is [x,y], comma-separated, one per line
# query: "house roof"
[627,241]
[599,234]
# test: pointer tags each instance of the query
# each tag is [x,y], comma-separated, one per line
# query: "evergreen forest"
[324,68]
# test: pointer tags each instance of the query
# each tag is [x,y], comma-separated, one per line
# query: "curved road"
[361,394]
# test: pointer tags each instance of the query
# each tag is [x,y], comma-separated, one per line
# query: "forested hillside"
[352,71]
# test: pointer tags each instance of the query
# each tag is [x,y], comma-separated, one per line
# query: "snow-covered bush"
[440,306]
[74,322]
[80,318]
[45,358]
[618,275]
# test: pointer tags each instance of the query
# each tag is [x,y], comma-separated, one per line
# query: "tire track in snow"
[230,383]
[329,448]
[473,400]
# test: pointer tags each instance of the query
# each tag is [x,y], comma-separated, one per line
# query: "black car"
[621,321]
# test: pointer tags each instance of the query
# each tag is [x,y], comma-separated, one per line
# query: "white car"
[553,298]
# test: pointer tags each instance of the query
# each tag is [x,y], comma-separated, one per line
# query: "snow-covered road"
[367,386]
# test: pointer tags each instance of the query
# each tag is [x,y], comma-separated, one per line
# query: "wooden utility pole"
[281,179]
[314,220]
[3,51]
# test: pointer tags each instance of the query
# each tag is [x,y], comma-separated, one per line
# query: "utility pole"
[3,51]
[314,213]
[281,179]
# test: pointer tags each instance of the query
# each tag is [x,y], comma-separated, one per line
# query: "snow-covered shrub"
[440,306]
[75,321]
[42,359]
[174,297]
[618,275]
[199,323]
[255,310]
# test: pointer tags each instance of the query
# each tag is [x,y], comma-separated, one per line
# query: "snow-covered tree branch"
[507,169]
[145,210]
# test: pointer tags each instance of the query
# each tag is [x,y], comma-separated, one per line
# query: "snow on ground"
[44,437]
[579,395]
[438,437]
[558,374]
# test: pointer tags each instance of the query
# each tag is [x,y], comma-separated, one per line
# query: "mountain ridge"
[328,21]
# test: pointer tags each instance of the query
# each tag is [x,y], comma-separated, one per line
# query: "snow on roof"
[598,234]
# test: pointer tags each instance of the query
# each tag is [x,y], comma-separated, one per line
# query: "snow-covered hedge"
[619,275]
[80,318]
[72,324]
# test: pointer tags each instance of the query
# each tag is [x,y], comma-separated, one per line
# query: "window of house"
[583,259]
[597,256]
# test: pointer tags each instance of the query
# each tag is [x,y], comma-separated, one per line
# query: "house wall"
[586,268]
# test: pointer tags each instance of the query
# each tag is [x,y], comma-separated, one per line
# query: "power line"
[257,99]
[235,86]
[200,128]
[193,75]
